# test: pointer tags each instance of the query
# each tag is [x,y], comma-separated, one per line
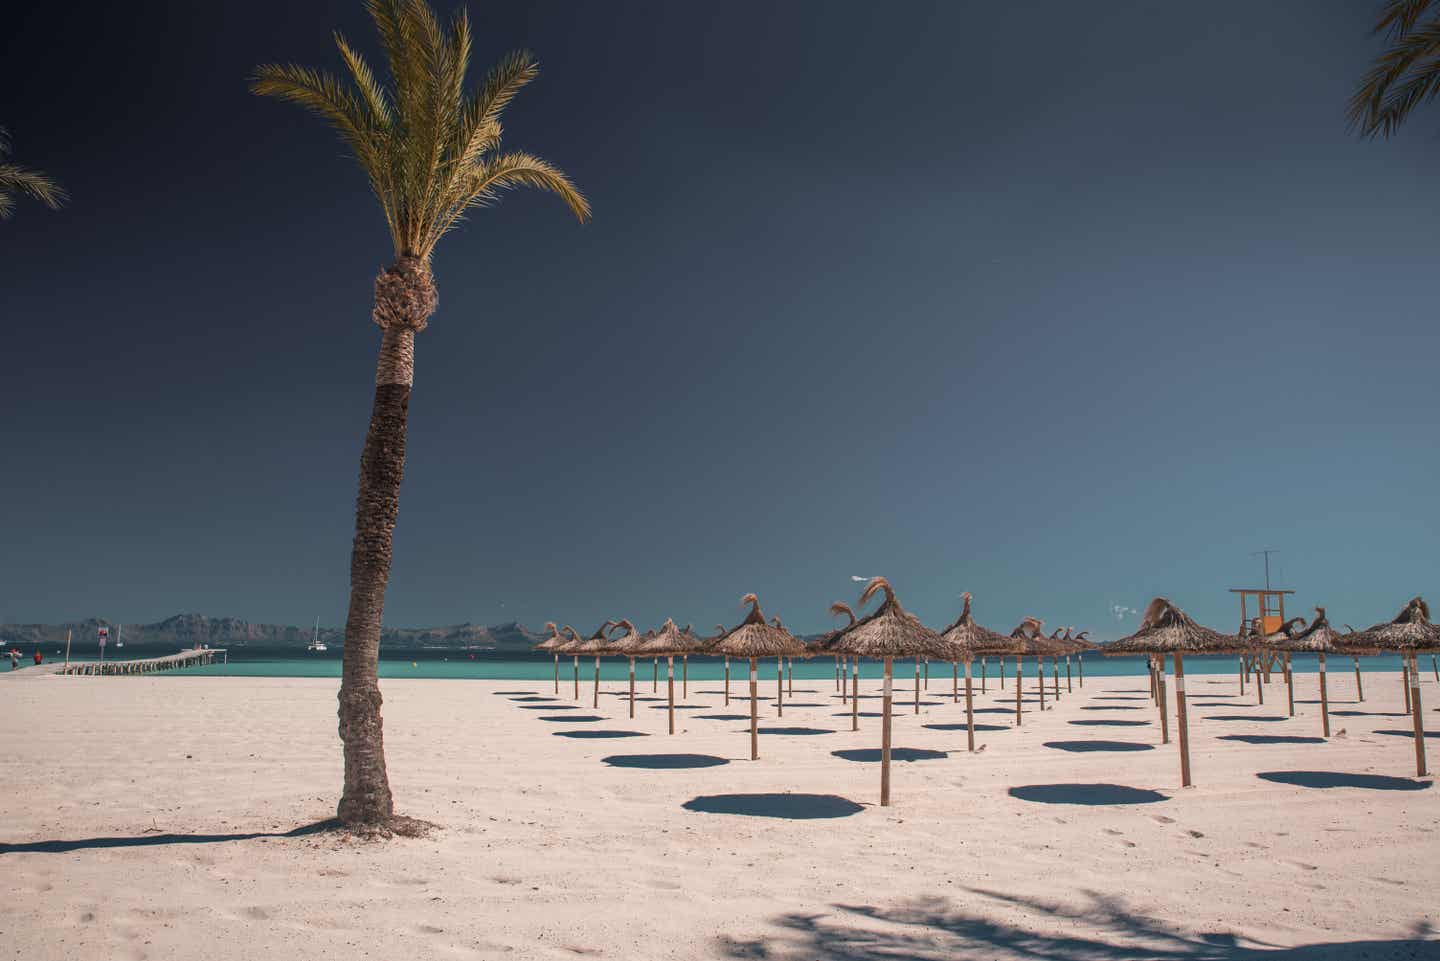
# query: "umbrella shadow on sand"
[795,807]
[1332,779]
[990,924]
[871,755]
[1271,739]
[664,762]
[1076,747]
[599,734]
[1087,794]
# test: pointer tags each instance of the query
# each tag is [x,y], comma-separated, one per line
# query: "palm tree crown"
[429,151]
[1406,74]
[17,179]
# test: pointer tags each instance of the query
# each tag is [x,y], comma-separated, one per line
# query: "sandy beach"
[166,817]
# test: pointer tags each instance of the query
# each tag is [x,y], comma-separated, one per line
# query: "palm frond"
[1405,75]
[428,150]
[17,179]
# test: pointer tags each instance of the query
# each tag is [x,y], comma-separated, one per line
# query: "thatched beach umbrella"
[1320,639]
[966,641]
[1026,639]
[888,633]
[571,647]
[593,646]
[1164,630]
[628,644]
[551,643]
[667,643]
[826,645]
[753,639]
[1410,633]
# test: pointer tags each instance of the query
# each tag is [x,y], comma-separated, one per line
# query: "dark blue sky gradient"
[1063,304]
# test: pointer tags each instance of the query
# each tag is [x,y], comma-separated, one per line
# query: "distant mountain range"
[187,630]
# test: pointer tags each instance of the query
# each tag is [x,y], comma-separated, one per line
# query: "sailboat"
[315,643]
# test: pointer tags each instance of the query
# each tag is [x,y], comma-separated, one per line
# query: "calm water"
[541,667]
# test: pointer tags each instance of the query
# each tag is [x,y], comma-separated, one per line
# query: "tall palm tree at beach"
[1406,74]
[15,179]
[430,152]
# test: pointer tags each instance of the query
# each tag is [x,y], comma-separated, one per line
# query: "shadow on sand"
[1271,739]
[871,755]
[1109,722]
[664,762]
[1409,734]
[576,718]
[722,717]
[1329,779]
[988,924]
[807,731]
[146,840]
[1090,794]
[549,707]
[795,807]
[1243,717]
[962,725]
[599,734]
[1085,746]
[534,697]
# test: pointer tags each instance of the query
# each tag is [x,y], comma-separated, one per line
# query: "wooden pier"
[147,665]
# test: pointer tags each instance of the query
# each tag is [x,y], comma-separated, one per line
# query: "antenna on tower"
[1267,552]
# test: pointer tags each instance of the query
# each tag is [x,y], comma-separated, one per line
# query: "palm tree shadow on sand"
[156,838]
[934,928]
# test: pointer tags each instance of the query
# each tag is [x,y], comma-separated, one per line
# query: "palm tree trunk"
[404,299]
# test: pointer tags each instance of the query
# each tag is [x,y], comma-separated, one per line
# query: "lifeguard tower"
[1267,604]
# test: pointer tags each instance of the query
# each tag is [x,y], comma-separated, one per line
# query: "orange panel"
[1270,624]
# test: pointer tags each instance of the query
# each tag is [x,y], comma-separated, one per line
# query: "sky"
[1066,305]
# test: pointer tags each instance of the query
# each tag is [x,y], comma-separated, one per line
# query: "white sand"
[547,852]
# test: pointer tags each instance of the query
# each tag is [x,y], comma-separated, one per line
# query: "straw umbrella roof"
[552,642]
[753,637]
[1083,643]
[1318,638]
[891,631]
[823,645]
[1410,632]
[569,645]
[625,644]
[669,641]
[1029,640]
[597,643]
[970,640]
[1166,629]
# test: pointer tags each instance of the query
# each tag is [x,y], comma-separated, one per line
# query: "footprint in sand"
[1256,844]
[256,913]
[1195,834]
[1114,833]
[1161,819]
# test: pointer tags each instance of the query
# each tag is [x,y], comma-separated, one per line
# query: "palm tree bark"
[404,299]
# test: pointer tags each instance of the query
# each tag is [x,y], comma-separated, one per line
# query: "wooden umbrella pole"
[1289,685]
[1019,673]
[1068,688]
[1324,699]
[1040,671]
[577,677]
[917,685]
[670,689]
[927,673]
[1080,664]
[1435,667]
[1243,672]
[1359,685]
[754,715]
[855,694]
[684,677]
[885,742]
[790,676]
[727,681]
[969,709]
[1259,682]
[557,673]
[632,687]
[654,675]
[1418,717]
[1164,719]
[1154,694]
[844,667]
[839,680]
[780,687]
[1180,717]
[1405,681]
[1055,673]
[955,682]
[596,700]
[1002,672]
[984,671]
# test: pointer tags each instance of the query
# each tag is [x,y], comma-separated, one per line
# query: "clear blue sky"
[1066,305]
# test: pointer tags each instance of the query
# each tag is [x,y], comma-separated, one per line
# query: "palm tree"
[430,153]
[15,179]
[1406,74]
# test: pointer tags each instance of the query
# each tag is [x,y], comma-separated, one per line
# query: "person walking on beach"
[14,659]
[38,656]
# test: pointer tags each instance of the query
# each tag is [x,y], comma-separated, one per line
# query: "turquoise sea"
[476,666]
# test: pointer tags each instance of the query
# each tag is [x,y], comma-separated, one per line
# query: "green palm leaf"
[1407,72]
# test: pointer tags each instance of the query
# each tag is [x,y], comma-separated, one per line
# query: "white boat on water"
[317,645]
